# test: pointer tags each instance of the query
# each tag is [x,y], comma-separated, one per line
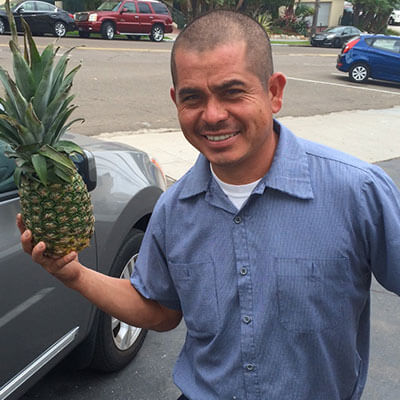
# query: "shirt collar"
[289,172]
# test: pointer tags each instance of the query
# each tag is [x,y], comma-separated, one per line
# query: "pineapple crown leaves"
[36,107]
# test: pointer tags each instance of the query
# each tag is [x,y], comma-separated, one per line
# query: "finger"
[26,241]
[20,223]
[38,253]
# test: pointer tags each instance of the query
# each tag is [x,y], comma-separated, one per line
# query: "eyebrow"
[225,85]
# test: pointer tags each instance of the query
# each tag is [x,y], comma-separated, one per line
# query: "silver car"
[41,321]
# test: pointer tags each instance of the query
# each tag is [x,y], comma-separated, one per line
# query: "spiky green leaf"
[11,21]
[22,73]
[33,124]
[40,166]
[59,158]
[61,174]
[17,176]
[68,147]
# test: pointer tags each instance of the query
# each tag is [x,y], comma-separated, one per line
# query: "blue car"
[371,56]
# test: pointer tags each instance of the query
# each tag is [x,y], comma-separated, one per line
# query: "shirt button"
[237,219]
[243,271]
[246,319]
[250,367]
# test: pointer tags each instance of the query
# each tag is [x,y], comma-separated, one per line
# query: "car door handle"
[137,16]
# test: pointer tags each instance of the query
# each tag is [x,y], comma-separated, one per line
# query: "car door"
[384,59]
[27,11]
[129,21]
[43,19]
[39,317]
[145,16]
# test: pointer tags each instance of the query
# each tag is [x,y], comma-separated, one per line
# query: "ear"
[172,93]
[276,85]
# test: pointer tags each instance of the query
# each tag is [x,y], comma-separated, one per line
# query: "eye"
[232,92]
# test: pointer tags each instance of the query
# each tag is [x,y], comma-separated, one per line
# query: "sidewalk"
[372,135]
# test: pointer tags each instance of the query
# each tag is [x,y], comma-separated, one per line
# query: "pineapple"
[55,203]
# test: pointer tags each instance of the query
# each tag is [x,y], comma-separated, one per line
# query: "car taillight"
[71,15]
[350,45]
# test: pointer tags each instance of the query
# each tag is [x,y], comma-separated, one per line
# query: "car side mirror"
[86,166]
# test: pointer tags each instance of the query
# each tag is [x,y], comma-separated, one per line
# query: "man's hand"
[66,268]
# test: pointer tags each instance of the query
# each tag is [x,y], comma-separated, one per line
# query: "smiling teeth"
[220,137]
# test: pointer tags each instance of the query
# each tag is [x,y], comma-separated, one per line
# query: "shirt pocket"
[196,288]
[310,293]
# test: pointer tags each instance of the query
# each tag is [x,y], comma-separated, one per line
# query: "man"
[266,246]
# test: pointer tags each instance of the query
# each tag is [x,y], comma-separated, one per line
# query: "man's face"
[225,111]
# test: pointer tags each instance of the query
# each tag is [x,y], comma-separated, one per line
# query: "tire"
[391,21]
[108,31]
[60,29]
[118,343]
[157,33]
[359,73]
[337,43]
[84,34]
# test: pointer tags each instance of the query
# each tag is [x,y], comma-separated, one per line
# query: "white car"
[394,17]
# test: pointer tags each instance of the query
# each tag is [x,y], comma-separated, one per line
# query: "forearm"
[120,299]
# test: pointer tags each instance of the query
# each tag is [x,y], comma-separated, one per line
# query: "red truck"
[134,18]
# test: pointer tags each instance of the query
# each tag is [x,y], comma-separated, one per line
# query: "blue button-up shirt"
[275,295]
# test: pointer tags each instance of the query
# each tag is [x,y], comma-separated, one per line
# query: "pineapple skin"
[61,215]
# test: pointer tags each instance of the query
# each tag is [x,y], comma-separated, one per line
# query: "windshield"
[13,4]
[109,6]
[335,30]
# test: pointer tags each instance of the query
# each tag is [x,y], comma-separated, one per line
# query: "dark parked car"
[335,37]
[371,56]
[41,17]
[131,17]
[41,321]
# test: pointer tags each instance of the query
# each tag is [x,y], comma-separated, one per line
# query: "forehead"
[216,63]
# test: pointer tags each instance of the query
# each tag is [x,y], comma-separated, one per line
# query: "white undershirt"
[237,194]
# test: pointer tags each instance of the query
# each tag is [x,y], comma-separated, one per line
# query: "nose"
[214,111]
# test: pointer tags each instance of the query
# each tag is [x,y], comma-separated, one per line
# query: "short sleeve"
[151,275]
[380,222]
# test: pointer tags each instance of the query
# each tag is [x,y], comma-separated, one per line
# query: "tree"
[372,15]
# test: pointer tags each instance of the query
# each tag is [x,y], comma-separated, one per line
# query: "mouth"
[220,138]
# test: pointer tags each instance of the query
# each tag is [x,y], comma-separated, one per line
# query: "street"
[123,86]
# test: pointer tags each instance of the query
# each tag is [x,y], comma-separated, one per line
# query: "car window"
[387,44]
[354,30]
[109,6]
[45,7]
[160,8]
[144,8]
[130,7]
[347,31]
[28,6]
[7,167]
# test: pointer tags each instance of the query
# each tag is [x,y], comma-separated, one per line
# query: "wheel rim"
[110,32]
[60,29]
[125,335]
[157,33]
[359,73]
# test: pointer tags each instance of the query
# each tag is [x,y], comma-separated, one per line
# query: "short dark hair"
[221,27]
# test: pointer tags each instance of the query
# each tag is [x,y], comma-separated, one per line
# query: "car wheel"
[391,21]
[108,30]
[84,34]
[2,26]
[359,73]
[60,29]
[117,343]
[157,33]
[337,43]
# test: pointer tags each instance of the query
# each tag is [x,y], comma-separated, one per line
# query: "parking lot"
[123,88]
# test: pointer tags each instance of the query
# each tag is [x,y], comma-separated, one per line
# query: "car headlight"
[329,37]
[92,18]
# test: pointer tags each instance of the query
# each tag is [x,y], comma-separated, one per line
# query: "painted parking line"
[343,85]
